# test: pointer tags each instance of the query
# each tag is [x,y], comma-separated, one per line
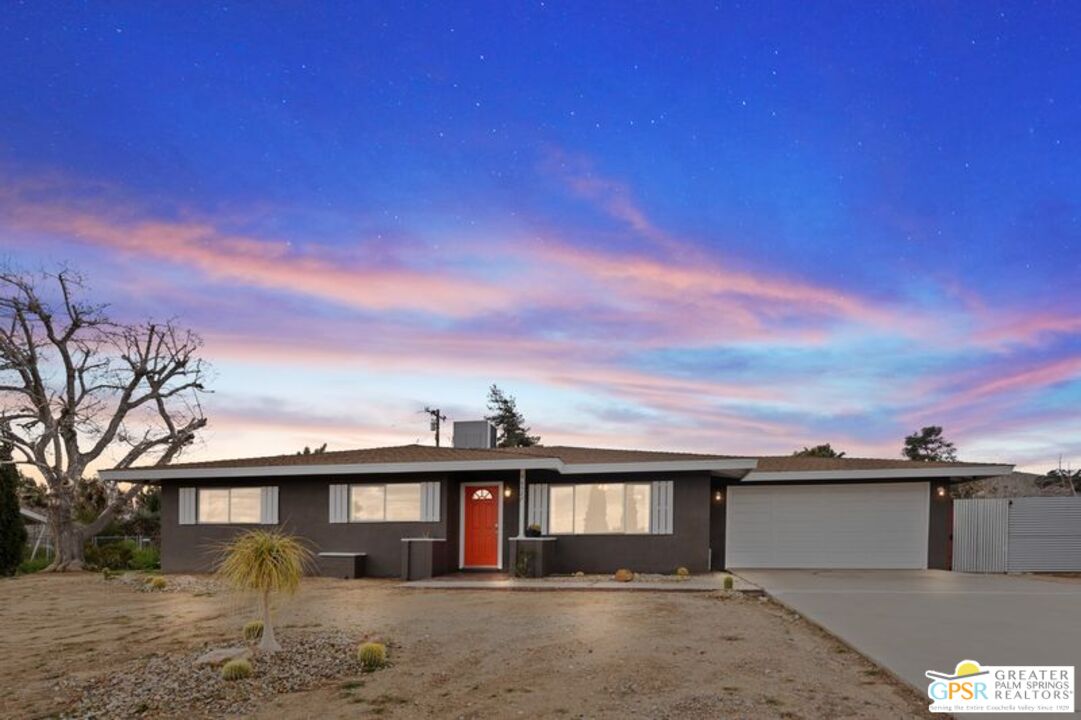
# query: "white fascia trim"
[959,471]
[659,466]
[36,517]
[149,474]
[166,473]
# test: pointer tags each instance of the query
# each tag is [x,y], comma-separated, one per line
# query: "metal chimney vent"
[477,434]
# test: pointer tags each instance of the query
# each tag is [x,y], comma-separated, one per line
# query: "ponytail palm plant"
[264,561]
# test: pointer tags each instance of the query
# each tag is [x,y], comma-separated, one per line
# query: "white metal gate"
[1030,534]
[980,535]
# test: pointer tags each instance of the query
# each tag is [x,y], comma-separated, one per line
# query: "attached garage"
[854,525]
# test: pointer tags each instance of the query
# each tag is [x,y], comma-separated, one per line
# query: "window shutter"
[269,505]
[187,506]
[429,502]
[661,520]
[339,503]
[538,506]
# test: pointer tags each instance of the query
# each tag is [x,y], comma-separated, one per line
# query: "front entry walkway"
[911,621]
[709,582]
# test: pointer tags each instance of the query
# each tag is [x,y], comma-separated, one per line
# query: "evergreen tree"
[929,445]
[513,432]
[12,530]
[822,451]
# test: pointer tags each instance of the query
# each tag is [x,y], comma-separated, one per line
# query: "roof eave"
[151,475]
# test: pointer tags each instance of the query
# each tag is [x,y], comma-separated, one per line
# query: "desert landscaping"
[78,645]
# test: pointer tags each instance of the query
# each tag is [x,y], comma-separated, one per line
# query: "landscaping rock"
[214,658]
[173,685]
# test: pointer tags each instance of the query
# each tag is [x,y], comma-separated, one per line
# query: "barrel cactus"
[683,572]
[372,656]
[157,583]
[236,670]
[253,630]
[624,575]
[728,582]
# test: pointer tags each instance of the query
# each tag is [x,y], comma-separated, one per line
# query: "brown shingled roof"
[392,454]
[584,455]
[569,455]
[799,463]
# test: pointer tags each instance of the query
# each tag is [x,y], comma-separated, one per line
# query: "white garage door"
[827,526]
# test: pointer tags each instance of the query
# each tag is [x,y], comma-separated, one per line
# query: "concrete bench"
[347,565]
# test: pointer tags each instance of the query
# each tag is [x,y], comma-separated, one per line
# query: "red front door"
[481,526]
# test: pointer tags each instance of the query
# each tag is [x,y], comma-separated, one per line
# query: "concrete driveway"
[910,621]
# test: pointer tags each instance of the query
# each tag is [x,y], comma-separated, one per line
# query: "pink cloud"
[1027,328]
[272,264]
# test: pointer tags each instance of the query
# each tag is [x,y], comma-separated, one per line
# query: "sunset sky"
[738,228]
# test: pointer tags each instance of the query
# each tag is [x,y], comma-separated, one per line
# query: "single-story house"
[418,510]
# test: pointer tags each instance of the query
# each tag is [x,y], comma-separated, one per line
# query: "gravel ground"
[189,584]
[76,645]
[171,685]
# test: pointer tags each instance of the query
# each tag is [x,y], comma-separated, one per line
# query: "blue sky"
[725,227]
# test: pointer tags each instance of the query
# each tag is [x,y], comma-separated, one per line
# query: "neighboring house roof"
[1015,484]
[563,459]
[30,514]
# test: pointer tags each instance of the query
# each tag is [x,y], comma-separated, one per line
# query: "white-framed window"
[230,506]
[390,502]
[599,509]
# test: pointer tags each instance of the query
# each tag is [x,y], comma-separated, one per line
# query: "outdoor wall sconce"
[718,496]
[941,491]
[507,492]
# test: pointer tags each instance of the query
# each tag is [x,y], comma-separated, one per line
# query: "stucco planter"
[423,558]
[532,556]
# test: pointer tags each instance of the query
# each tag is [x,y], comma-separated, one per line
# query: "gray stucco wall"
[303,509]
[687,546]
[718,516]
[940,528]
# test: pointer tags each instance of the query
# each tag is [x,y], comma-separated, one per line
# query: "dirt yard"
[455,653]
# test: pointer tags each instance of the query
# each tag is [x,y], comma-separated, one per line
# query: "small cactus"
[728,582]
[683,572]
[372,656]
[623,575]
[253,630]
[157,583]
[236,670]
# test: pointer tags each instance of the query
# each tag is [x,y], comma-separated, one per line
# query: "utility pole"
[437,418]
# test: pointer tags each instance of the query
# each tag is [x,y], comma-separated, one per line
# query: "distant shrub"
[728,582]
[27,567]
[623,575]
[683,572]
[157,583]
[147,558]
[372,656]
[253,630]
[236,670]
[115,556]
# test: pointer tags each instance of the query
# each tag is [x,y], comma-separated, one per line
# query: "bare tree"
[76,387]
